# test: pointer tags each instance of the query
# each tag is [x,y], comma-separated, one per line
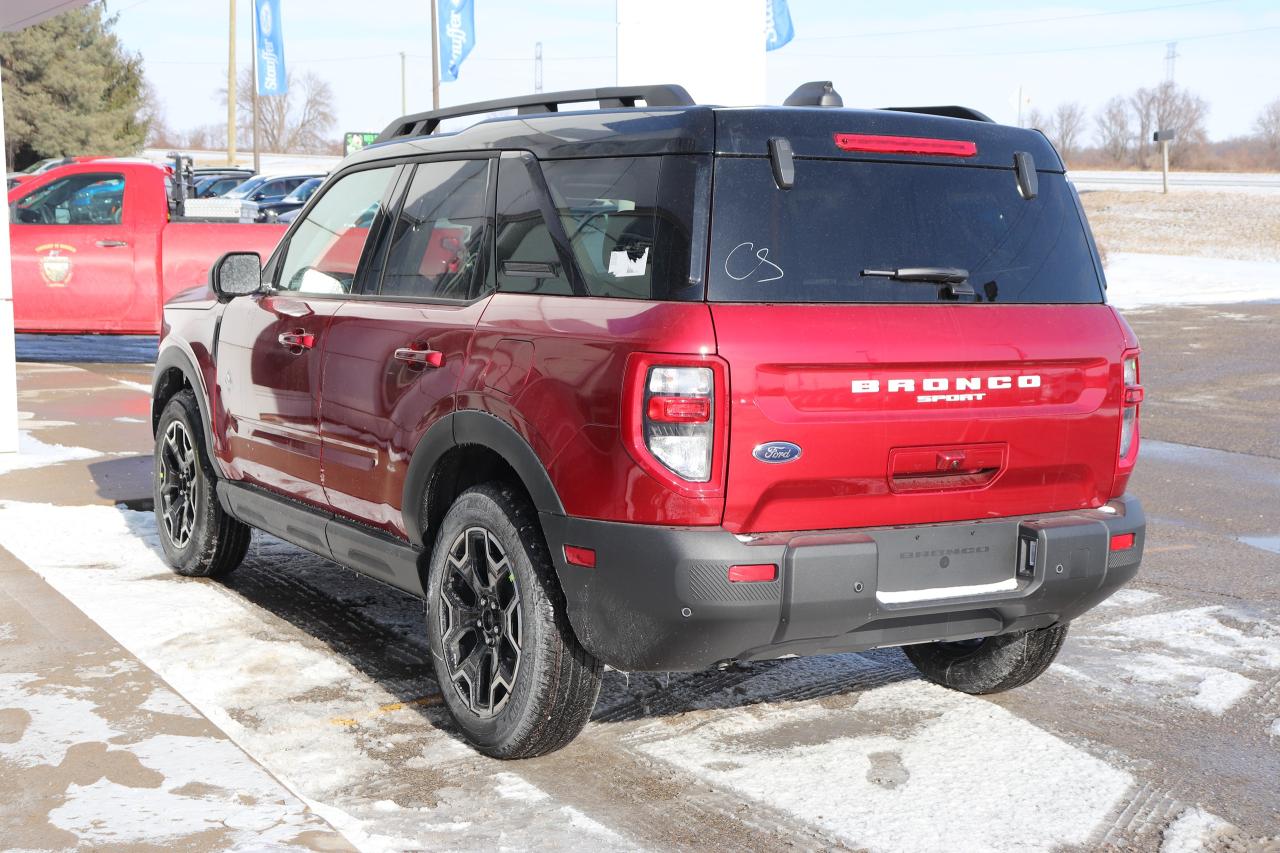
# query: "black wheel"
[512,673]
[991,664]
[199,539]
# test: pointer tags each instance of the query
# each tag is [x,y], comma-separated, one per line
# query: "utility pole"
[257,153]
[435,56]
[404,98]
[1170,60]
[1019,105]
[537,66]
[231,89]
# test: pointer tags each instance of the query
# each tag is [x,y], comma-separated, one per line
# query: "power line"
[1019,22]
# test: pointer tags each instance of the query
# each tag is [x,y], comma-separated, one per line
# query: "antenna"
[537,67]
[1170,60]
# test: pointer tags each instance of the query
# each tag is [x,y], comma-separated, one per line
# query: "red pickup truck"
[100,246]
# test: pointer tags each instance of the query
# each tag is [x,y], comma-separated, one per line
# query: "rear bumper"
[660,598]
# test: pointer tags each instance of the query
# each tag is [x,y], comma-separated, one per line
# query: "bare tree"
[1166,107]
[300,121]
[1066,126]
[1115,133]
[1035,119]
[1268,125]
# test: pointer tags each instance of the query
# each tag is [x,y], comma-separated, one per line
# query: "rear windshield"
[841,231]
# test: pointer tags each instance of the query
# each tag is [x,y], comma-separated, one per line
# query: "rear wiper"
[957,280]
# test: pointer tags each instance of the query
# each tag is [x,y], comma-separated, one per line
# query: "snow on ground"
[1137,280]
[1193,831]
[34,453]
[1207,658]
[178,785]
[882,766]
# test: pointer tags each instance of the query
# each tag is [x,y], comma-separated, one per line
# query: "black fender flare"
[472,426]
[174,358]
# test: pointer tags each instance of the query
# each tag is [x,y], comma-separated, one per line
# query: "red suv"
[665,386]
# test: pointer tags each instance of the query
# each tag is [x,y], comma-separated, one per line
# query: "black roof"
[670,123]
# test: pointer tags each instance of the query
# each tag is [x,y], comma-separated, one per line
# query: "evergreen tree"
[70,88]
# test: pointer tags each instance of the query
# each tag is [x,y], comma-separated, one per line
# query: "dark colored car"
[271,211]
[212,186]
[663,386]
[268,189]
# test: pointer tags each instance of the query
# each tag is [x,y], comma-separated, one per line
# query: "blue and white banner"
[777,24]
[457,23]
[272,77]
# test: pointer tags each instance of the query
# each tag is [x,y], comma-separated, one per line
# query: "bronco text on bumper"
[663,386]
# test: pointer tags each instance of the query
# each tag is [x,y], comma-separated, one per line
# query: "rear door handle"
[420,357]
[297,341]
[112,244]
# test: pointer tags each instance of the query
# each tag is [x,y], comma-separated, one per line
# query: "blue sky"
[878,54]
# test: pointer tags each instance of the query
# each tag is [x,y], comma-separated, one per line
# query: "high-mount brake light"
[878,144]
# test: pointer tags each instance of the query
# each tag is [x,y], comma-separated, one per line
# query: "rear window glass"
[813,242]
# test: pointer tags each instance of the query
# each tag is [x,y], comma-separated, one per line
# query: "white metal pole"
[1164,164]
[8,360]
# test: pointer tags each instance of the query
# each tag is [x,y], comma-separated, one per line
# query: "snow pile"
[34,453]
[1193,831]
[847,784]
[1137,280]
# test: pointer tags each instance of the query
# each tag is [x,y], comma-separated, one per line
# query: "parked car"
[669,387]
[271,211]
[98,246]
[268,189]
[213,186]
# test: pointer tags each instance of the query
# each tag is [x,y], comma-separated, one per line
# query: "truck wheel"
[991,664]
[512,673]
[199,539]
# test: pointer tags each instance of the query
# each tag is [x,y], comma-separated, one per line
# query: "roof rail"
[948,111]
[422,124]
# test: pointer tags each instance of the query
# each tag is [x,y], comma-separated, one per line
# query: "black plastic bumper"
[660,598]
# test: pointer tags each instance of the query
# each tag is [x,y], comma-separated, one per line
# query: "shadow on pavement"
[124,480]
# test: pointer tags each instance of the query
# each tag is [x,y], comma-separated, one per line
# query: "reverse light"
[879,144]
[678,420]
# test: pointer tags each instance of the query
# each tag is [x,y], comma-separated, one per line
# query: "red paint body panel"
[792,369]
[119,287]
[569,405]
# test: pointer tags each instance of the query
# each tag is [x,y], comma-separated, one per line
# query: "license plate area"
[952,561]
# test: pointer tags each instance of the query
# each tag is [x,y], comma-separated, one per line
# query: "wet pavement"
[1159,725]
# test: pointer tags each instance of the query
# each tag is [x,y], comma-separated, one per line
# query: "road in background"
[1098,179]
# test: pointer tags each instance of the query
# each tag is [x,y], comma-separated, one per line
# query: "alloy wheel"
[179,478]
[480,624]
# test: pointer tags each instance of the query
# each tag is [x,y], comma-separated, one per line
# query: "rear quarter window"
[811,243]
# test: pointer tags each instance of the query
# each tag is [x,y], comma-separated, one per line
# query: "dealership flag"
[272,78]
[777,24]
[457,35]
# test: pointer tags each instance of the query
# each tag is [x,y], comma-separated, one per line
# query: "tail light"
[1131,398]
[676,419]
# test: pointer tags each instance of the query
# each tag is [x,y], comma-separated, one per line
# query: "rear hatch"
[864,396]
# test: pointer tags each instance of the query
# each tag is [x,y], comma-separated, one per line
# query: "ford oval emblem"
[777,451]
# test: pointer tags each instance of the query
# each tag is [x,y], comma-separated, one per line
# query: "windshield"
[246,188]
[303,192]
[852,231]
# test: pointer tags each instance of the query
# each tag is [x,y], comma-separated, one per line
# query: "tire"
[513,675]
[990,665]
[199,539]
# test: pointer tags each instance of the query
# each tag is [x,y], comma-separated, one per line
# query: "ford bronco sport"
[663,386]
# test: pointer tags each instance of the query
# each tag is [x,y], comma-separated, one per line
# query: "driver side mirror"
[236,274]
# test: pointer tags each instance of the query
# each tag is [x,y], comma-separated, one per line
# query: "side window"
[438,243]
[88,199]
[325,249]
[526,256]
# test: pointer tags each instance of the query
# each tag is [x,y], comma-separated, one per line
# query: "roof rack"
[613,97]
[948,111]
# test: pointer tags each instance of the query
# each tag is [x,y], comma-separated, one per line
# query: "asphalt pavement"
[1158,726]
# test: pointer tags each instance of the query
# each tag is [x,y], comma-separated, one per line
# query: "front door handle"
[297,341]
[112,244]
[420,357]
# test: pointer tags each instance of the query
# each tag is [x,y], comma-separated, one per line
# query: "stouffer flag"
[272,77]
[457,35]
[777,24]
